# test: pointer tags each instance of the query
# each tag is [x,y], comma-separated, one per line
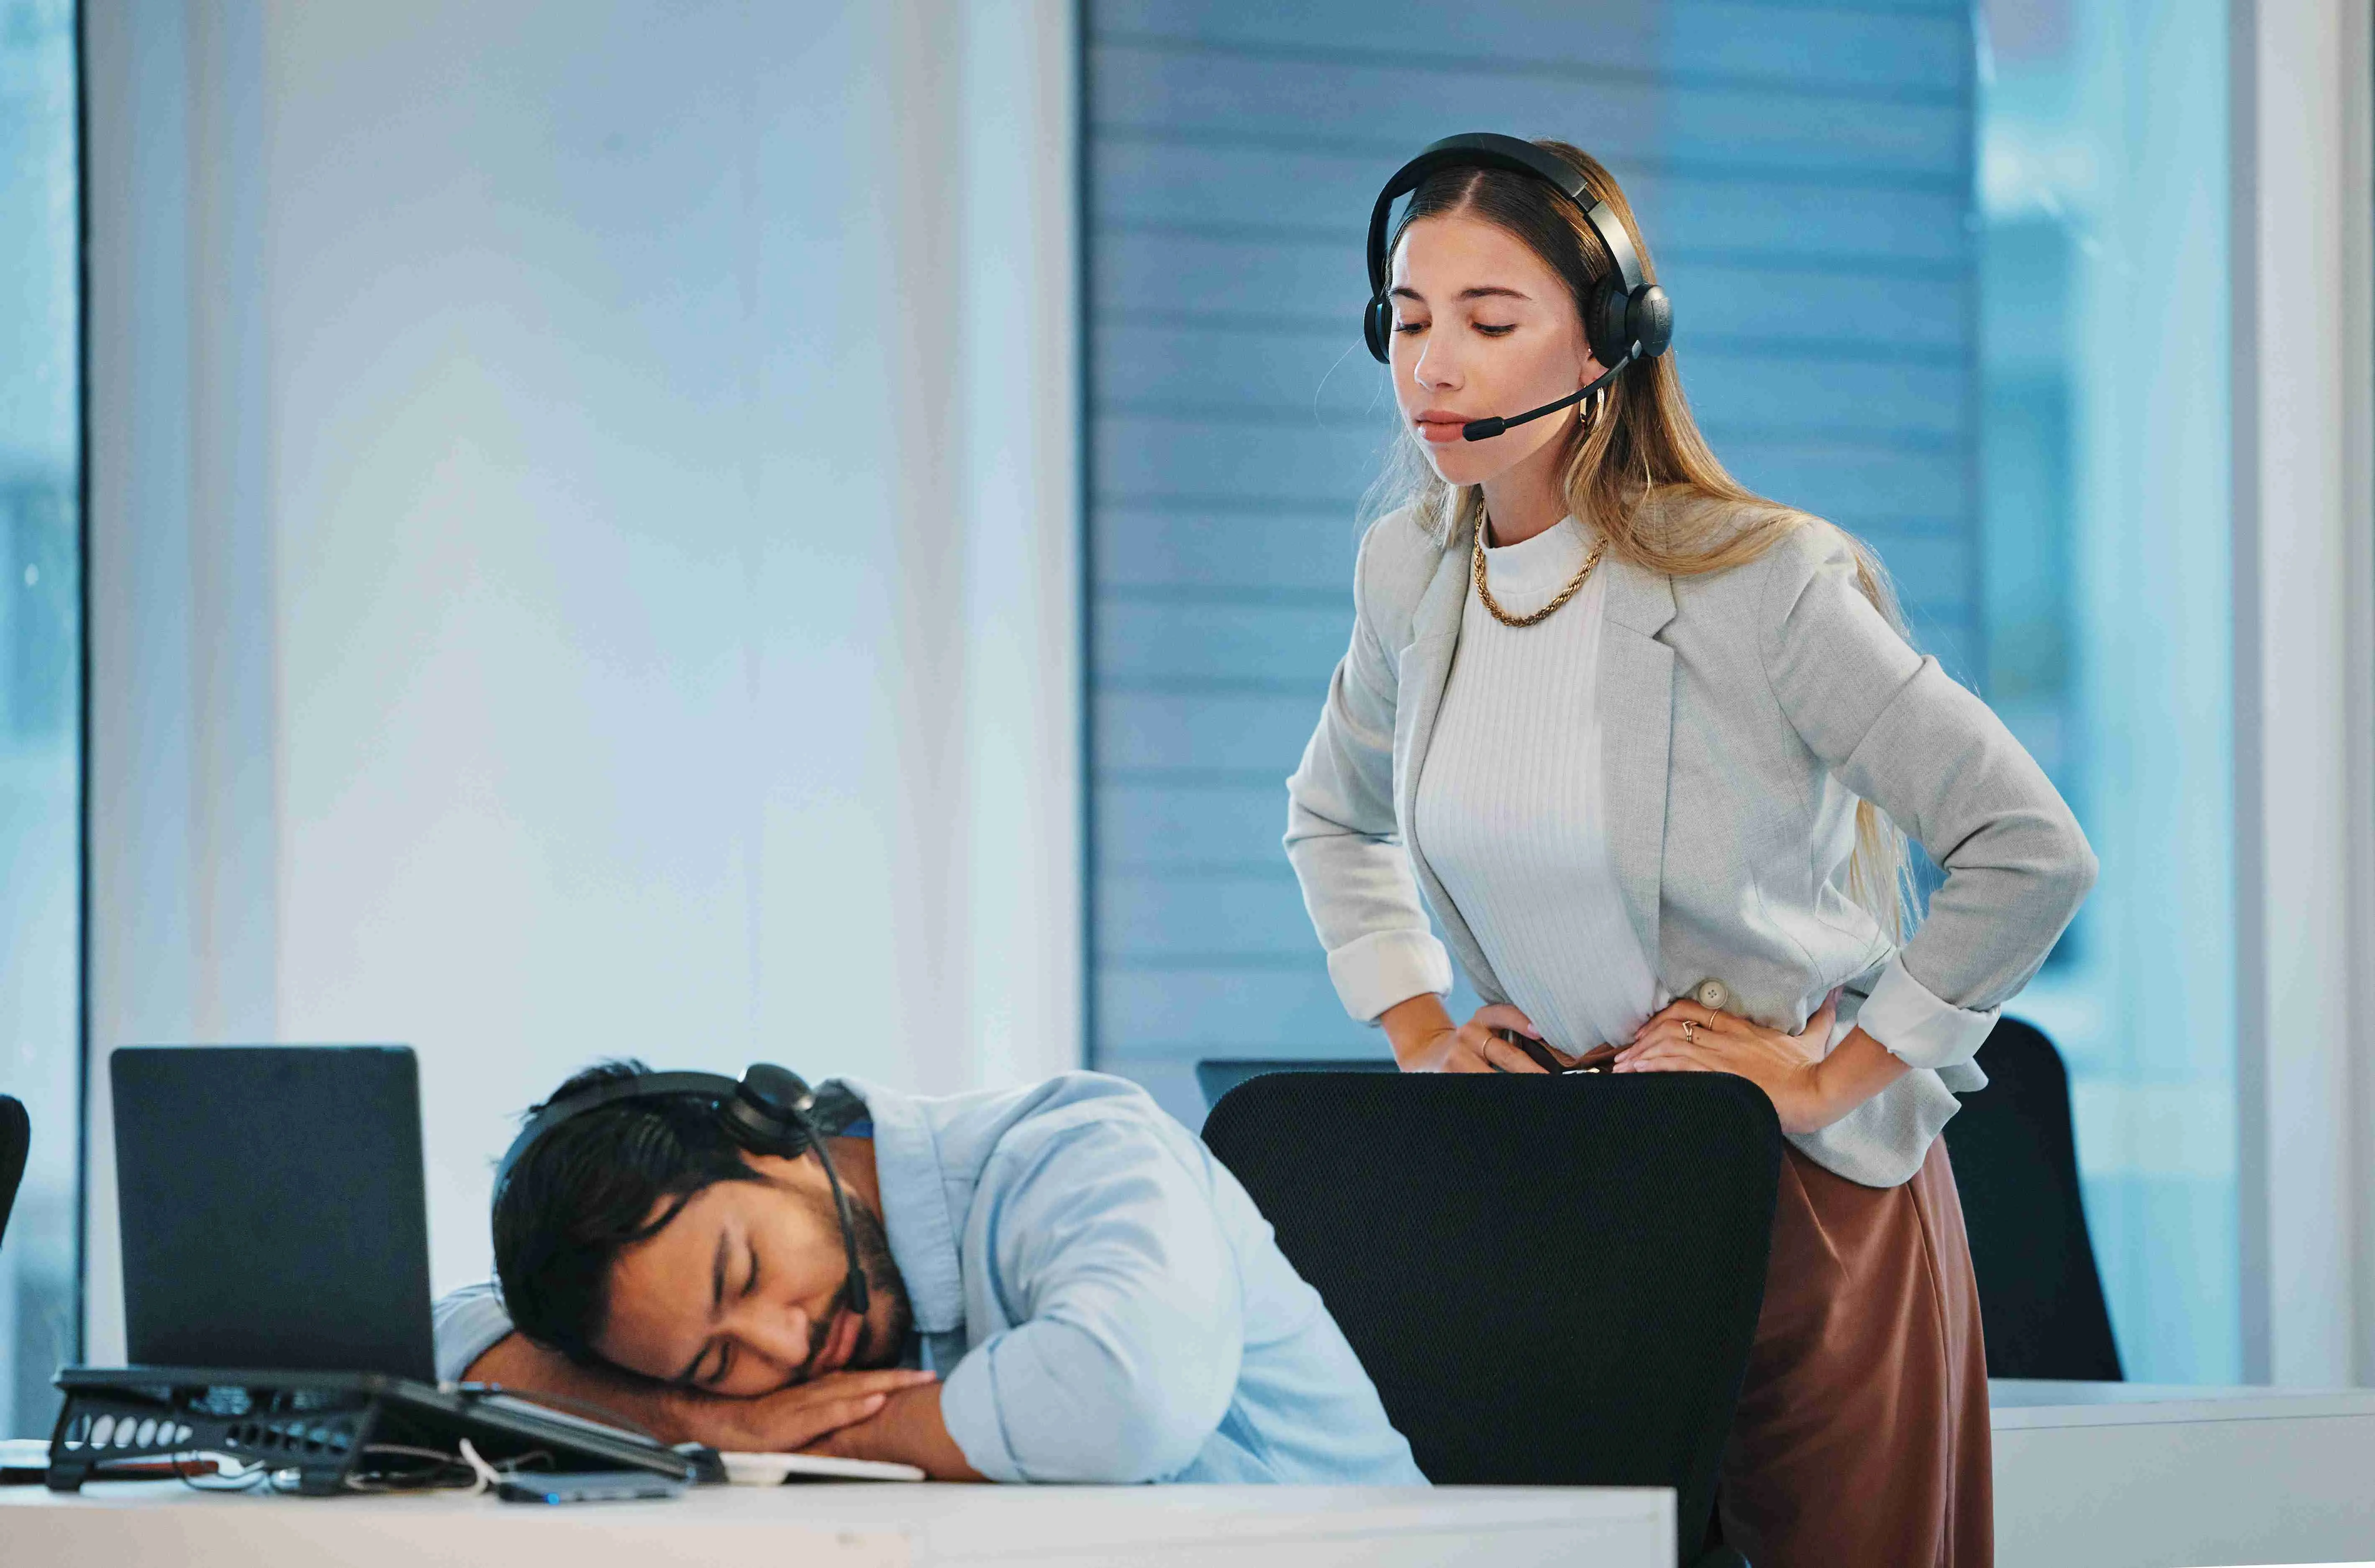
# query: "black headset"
[769,1111]
[1629,318]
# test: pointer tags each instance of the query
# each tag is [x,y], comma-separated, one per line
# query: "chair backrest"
[1552,1280]
[2016,1167]
[1217,1076]
[16,1142]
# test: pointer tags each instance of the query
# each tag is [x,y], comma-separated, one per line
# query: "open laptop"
[272,1211]
[275,1277]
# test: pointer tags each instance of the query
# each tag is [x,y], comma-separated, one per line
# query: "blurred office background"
[816,532]
[1955,279]
[41,691]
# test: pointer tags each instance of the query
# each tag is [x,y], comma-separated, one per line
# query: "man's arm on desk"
[781,1422]
[909,1431]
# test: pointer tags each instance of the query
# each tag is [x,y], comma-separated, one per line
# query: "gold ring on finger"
[1690,1032]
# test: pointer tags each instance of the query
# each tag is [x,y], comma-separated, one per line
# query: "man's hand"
[790,1418]
[908,1431]
[781,1422]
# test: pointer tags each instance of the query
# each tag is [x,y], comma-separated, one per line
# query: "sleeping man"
[1051,1284]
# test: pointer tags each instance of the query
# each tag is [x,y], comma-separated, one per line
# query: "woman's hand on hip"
[1426,1040]
[1688,1038]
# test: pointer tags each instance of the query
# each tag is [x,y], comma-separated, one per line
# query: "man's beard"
[883,1283]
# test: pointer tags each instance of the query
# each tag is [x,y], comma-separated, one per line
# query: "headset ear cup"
[1606,327]
[1650,320]
[1377,328]
[768,1114]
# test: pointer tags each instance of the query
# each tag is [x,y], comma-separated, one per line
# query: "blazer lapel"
[1425,670]
[1637,730]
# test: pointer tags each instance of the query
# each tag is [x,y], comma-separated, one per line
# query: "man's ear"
[783,1172]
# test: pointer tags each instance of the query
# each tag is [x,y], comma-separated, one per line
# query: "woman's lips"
[1441,428]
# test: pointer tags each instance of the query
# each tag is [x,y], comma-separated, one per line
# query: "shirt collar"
[923,1236]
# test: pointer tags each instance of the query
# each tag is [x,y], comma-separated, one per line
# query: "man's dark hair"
[587,1190]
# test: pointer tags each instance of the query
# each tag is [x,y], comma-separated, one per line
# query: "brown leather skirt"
[1862,1438]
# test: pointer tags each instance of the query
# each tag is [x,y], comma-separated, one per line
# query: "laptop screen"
[272,1208]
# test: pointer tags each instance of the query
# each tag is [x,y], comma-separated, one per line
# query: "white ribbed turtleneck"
[1512,803]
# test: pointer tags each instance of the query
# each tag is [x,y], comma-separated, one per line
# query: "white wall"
[582,546]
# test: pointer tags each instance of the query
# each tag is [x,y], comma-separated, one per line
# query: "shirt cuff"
[469,1322]
[969,1409]
[1375,971]
[1920,1030]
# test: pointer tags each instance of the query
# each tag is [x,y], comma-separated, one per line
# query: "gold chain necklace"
[1504,617]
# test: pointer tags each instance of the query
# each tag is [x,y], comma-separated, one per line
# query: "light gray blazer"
[1743,713]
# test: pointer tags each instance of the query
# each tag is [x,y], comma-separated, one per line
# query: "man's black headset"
[769,1111]
[1629,318]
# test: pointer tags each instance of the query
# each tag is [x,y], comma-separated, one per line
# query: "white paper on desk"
[774,1469]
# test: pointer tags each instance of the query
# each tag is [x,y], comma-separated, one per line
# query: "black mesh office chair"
[1552,1281]
[2016,1167]
[16,1142]
[1217,1076]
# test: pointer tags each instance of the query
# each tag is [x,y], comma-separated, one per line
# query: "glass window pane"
[2105,562]
[40,657]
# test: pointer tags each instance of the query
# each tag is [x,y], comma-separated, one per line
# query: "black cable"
[444,1471]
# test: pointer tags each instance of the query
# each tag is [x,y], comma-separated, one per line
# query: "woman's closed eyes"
[1490,329]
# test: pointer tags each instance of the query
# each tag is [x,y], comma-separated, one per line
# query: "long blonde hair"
[1638,469]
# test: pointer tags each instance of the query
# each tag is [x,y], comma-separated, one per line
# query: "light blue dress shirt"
[1100,1297]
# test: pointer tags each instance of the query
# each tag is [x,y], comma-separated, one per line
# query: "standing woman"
[1649,745]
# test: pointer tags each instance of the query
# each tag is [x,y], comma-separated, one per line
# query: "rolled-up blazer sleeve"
[1341,836]
[1892,726]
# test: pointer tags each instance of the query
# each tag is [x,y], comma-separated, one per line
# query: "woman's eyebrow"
[1480,291]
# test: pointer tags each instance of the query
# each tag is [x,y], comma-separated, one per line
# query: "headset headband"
[641,1086]
[1490,149]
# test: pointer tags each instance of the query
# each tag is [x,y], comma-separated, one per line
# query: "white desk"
[846,1526]
[2099,1475]
[2112,1475]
